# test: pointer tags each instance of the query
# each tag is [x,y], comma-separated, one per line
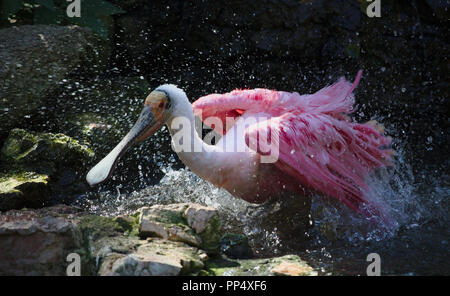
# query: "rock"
[21,189]
[115,249]
[35,59]
[236,246]
[38,166]
[44,152]
[96,227]
[37,242]
[292,269]
[206,223]
[156,258]
[193,224]
[167,222]
[285,265]
[199,217]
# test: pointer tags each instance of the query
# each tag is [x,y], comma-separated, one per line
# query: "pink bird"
[273,142]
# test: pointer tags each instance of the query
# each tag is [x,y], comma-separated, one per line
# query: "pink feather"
[319,144]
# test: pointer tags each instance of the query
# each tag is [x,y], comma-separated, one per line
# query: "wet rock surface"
[154,257]
[21,188]
[193,224]
[37,242]
[36,167]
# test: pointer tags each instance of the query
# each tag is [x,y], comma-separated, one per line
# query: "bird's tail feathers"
[336,99]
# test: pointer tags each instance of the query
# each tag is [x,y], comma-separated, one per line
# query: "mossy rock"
[23,189]
[211,236]
[44,152]
[259,267]
[63,159]
[103,235]
[167,222]
[95,227]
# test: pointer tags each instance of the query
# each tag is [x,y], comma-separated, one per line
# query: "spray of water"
[395,187]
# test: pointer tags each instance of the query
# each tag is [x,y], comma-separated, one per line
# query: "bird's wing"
[330,155]
[334,100]
[233,104]
[319,144]
[317,141]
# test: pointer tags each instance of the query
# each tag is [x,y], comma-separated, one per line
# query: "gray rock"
[193,224]
[167,222]
[155,257]
[37,242]
[206,223]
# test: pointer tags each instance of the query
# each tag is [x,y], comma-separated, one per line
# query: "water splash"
[417,203]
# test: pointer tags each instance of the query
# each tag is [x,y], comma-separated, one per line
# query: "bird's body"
[239,170]
[316,145]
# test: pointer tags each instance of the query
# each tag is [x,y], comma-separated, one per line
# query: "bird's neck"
[191,149]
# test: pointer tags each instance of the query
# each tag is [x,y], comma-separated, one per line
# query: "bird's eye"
[161,105]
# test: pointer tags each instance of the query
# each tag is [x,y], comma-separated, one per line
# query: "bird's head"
[161,105]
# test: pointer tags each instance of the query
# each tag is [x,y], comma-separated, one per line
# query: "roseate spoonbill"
[320,147]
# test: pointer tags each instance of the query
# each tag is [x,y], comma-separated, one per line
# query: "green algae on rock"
[44,150]
[19,189]
[40,165]
[259,267]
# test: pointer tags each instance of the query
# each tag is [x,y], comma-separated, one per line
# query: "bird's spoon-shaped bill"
[146,125]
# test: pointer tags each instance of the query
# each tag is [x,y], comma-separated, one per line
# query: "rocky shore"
[176,239]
